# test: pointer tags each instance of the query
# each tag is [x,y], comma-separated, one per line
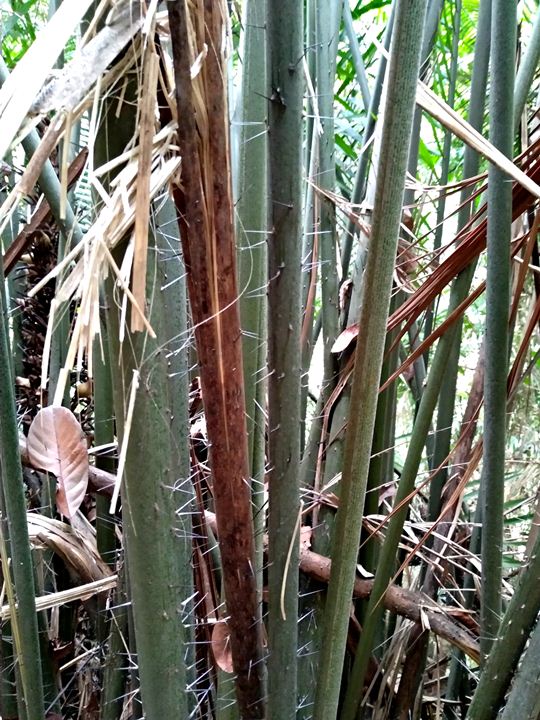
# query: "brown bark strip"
[142,204]
[19,246]
[204,204]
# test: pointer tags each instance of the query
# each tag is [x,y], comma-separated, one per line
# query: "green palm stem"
[503,36]
[471,163]
[526,70]
[285,45]
[446,156]
[502,661]
[388,551]
[340,413]
[431,25]
[417,645]
[361,172]
[523,700]
[328,22]
[251,222]
[157,539]
[114,674]
[403,73]
[381,467]
[356,55]
[328,17]
[15,539]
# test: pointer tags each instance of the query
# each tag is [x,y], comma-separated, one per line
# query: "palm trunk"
[285,46]
[204,203]
[403,73]
[497,310]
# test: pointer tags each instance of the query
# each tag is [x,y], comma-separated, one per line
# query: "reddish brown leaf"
[56,443]
[221,646]
[345,338]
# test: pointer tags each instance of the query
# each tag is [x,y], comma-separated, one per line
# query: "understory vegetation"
[269,360]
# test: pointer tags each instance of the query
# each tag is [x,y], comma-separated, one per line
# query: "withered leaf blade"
[221,646]
[56,443]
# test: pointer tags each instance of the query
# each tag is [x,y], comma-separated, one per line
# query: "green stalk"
[471,162]
[114,665]
[381,467]
[524,700]
[285,46]
[526,71]
[356,56]
[389,548]
[328,16]
[24,618]
[328,21]
[403,73]
[431,25]
[360,178]
[446,156]
[503,659]
[103,434]
[417,644]
[447,396]
[334,450]
[158,550]
[503,43]
[157,541]
[251,229]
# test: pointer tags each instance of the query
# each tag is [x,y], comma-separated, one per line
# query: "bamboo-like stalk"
[157,550]
[356,56]
[156,544]
[381,467]
[285,46]
[446,155]
[103,434]
[335,441]
[471,163]
[503,658]
[24,620]
[328,17]
[251,221]
[433,14]
[204,203]
[526,70]
[503,44]
[328,21]
[172,284]
[523,700]
[417,645]
[403,73]
[114,666]
[360,177]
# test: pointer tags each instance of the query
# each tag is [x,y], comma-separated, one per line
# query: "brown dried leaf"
[345,338]
[221,646]
[56,443]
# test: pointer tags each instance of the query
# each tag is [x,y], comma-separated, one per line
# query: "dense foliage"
[269,360]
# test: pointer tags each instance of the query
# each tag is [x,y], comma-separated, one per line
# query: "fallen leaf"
[56,443]
[345,338]
[221,646]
